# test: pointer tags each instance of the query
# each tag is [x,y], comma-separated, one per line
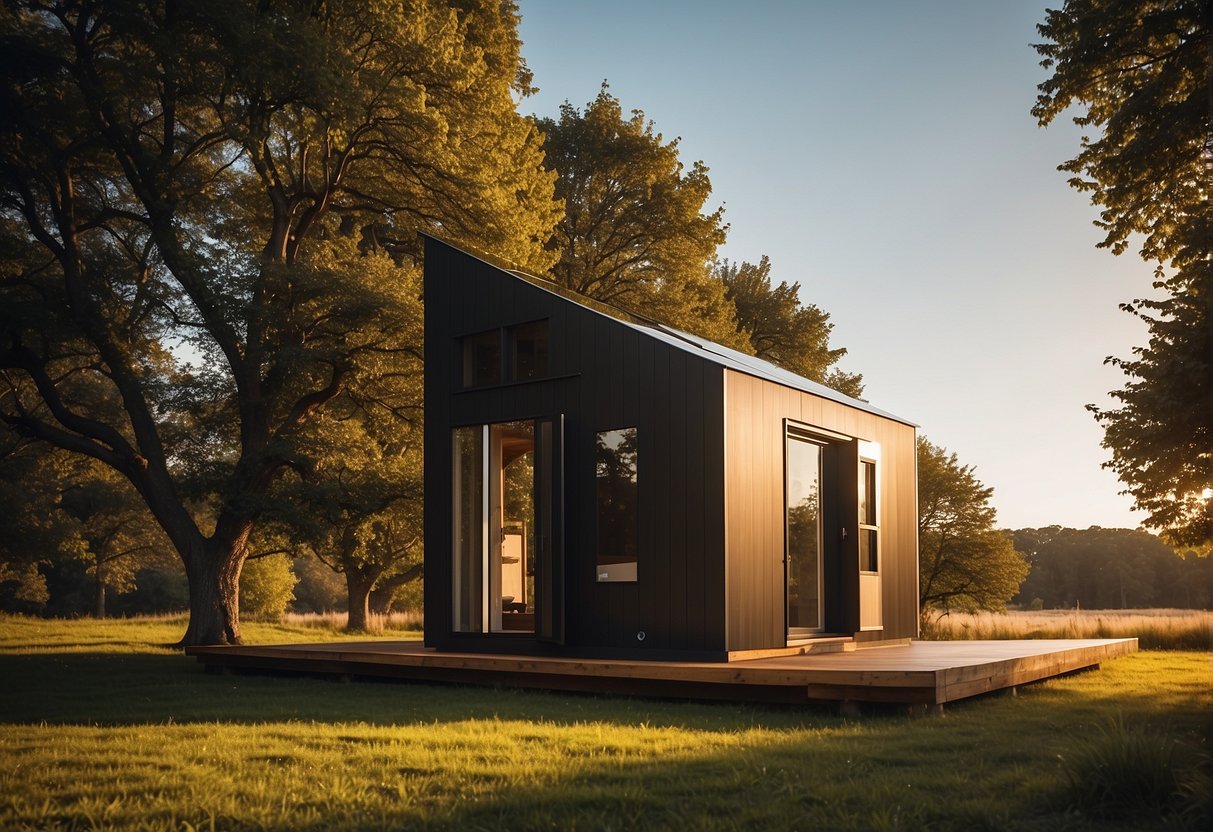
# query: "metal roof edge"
[718,354]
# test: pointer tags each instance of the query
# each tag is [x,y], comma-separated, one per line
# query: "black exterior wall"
[711,430]
[603,374]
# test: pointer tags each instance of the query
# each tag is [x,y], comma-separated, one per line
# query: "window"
[617,505]
[482,359]
[803,566]
[469,534]
[494,499]
[526,354]
[869,560]
[529,351]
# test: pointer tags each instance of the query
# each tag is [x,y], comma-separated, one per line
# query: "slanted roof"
[685,341]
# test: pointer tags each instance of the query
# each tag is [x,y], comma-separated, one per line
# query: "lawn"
[101,728]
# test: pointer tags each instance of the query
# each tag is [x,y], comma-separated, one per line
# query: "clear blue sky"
[883,155]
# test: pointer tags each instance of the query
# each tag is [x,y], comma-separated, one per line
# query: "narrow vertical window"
[482,359]
[470,526]
[869,551]
[617,505]
[529,351]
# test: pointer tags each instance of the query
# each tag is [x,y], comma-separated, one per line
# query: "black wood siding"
[603,374]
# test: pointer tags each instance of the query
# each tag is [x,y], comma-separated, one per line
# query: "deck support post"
[848,707]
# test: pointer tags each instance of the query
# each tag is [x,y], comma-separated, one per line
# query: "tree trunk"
[358,587]
[99,596]
[382,594]
[214,581]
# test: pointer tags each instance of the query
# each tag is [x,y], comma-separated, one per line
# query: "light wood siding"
[754,414]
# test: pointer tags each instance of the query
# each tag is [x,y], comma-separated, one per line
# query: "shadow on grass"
[149,688]
[132,689]
[989,763]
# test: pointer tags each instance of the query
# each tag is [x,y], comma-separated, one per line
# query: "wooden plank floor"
[923,672]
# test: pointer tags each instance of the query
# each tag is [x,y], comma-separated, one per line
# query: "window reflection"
[617,505]
[529,351]
[482,359]
[804,536]
[869,560]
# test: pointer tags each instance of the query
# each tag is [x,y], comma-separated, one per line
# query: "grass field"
[101,729]
[1159,629]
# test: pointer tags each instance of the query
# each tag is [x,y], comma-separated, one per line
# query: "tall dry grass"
[1161,629]
[409,620]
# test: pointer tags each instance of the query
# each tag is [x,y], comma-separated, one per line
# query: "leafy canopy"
[208,214]
[1139,70]
[965,564]
[634,232]
[780,330]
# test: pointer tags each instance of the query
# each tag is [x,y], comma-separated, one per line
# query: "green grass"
[101,729]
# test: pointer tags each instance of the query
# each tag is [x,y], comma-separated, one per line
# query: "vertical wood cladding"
[710,476]
[603,374]
[754,415]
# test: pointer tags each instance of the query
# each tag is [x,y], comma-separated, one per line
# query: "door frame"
[548,517]
[833,538]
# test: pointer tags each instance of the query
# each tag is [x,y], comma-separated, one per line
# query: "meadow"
[1154,629]
[102,727]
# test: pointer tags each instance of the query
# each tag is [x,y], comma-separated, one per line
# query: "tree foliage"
[780,330]
[207,211]
[358,509]
[1111,569]
[267,586]
[635,233]
[965,564]
[60,510]
[1140,72]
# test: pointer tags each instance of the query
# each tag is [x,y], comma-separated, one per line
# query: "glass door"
[512,527]
[803,562]
[505,481]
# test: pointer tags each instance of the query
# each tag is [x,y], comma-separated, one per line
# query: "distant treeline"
[1100,568]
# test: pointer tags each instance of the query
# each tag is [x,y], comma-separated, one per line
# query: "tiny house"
[598,484]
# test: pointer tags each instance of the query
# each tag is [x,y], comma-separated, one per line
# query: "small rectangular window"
[482,359]
[869,554]
[617,505]
[529,351]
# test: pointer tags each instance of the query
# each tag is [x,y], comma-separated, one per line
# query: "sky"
[883,155]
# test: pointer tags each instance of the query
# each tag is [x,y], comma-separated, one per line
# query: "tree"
[634,232]
[1140,70]
[206,209]
[118,534]
[267,586]
[965,564]
[782,331]
[72,515]
[359,507]
[1110,568]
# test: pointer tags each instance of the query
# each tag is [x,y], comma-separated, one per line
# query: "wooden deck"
[920,673]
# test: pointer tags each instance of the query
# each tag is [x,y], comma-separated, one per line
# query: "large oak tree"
[209,208]
[636,232]
[1139,72]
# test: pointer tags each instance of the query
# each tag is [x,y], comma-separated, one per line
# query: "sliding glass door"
[803,556]
[503,508]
